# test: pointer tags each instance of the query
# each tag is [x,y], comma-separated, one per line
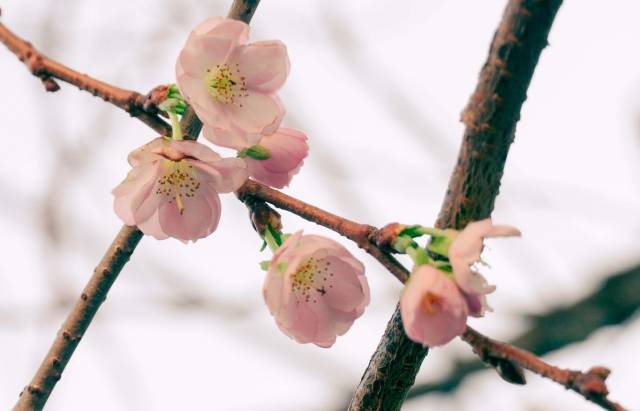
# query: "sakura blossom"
[465,251]
[433,309]
[315,289]
[172,189]
[230,84]
[274,159]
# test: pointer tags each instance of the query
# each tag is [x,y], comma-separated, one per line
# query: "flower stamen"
[225,84]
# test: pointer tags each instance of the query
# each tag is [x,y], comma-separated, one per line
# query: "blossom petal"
[264,64]
[225,175]
[230,137]
[432,308]
[259,113]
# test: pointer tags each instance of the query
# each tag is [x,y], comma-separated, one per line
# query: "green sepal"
[440,245]
[402,243]
[419,255]
[264,265]
[257,152]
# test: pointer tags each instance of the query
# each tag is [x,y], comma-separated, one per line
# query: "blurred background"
[379,87]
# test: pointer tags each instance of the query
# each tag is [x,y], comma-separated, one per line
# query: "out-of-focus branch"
[48,70]
[35,395]
[490,121]
[614,302]
[591,385]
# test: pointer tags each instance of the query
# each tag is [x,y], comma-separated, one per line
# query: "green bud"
[256,152]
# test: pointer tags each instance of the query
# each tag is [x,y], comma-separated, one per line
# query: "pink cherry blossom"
[433,309]
[287,148]
[465,251]
[172,190]
[315,289]
[230,84]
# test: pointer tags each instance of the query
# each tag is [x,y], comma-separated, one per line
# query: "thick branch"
[35,395]
[591,385]
[47,70]
[490,120]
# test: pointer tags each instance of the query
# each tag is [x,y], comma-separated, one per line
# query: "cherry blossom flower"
[433,309]
[280,155]
[315,289]
[465,251]
[230,84]
[172,190]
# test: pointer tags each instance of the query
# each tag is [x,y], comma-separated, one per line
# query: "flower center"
[430,303]
[309,281]
[225,84]
[177,181]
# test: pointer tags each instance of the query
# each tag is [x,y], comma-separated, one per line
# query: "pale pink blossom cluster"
[232,85]
[435,304]
[315,289]
[172,190]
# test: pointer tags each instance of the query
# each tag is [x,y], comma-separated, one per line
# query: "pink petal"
[233,30]
[288,149]
[152,227]
[196,150]
[198,219]
[133,191]
[264,64]
[259,113]
[195,92]
[231,137]
[147,153]
[441,321]
[202,53]
[504,231]
[225,175]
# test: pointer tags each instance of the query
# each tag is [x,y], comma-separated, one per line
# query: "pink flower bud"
[287,150]
[465,251]
[172,190]
[231,84]
[315,289]
[433,309]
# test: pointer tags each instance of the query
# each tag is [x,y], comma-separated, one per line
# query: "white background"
[378,85]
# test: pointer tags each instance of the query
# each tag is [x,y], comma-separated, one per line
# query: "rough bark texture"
[490,119]
[35,395]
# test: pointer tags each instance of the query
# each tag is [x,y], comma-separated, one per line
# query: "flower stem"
[175,126]
[271,240]
[418,255]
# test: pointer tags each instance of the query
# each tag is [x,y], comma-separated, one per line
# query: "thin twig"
[490,120]
[48,70]
[591,385]
[613,302]
[35,395]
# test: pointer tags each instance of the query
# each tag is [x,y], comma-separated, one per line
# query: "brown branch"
[613,302]
[358,233]
[393,361]
[35,395]
[498,354]
[591,385]
[48,70]
[490,119]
